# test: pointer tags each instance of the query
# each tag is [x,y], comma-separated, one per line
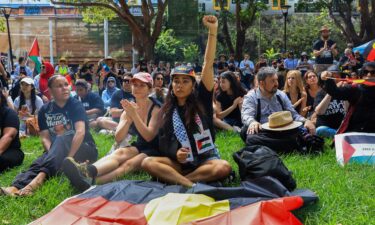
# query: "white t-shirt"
[38,104]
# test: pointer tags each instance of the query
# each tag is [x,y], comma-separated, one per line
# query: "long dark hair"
[33,100]
[3,100]
[192,106]
[235,85]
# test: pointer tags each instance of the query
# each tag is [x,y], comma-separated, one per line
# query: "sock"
[93,172]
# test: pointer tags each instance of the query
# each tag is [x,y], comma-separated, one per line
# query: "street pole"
[50,25]
[284,10]
[105,38]
[9,40]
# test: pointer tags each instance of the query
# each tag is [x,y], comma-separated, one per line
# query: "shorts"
[191,166]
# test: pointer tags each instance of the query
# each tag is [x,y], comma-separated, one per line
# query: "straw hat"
[281,121]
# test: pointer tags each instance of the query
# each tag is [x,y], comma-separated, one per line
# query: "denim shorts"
[191,166]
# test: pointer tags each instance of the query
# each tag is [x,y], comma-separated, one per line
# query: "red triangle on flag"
[348,151]
[34,51]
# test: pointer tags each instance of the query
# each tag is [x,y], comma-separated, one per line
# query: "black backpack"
[259,161]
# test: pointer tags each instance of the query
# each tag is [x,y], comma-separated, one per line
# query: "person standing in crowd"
[361,113]
[22,70]
[304,64]
[324,50]
[27,104]
[290,63]
[86,72]
[262,62]
[222,66]
[140,117]
[186,119]
[295,91]
[259,104]
[347,61]
[62,68]
[359,61]
[109,91]
[64,131]
[229,99]
[159,92]
[312,88]
[247,69]
[232,63]
[11,154]
[93,104]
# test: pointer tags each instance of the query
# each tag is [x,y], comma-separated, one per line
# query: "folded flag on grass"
[355,147]
[151,203]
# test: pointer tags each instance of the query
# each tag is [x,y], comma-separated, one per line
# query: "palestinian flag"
[34,55]
[355,147]
[261,202]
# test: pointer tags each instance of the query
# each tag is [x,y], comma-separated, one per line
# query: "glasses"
[159,78]
[111,81]
[372,72]
[126,81]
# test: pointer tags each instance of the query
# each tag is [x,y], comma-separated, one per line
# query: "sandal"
[26,191]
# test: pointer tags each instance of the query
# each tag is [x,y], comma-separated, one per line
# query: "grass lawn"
[347,195]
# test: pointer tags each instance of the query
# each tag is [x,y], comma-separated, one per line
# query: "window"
[216,4]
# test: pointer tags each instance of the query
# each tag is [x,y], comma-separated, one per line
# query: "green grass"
[347,194]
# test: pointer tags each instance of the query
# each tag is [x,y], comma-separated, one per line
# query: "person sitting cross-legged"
[141,117]
[259,104]
[64,132]
[186,136]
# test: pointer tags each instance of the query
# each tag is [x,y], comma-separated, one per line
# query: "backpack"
[259,161]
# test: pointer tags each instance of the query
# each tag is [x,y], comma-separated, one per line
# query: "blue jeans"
[324,131]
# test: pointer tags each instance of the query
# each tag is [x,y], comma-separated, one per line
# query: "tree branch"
[159,20]
[88,4]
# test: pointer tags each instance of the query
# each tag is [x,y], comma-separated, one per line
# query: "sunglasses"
[372,72]
[159,78]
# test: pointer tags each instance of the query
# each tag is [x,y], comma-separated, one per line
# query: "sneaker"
[103,131]
[77,174]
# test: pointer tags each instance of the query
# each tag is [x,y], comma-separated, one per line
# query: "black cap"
[334,69]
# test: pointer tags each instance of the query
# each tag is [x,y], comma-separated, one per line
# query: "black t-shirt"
[60,121]
[334,114]
[118,96]
[92,101]
[222,65]
[226,101]
[326,57]
[9,118]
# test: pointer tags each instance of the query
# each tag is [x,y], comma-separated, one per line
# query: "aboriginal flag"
[263,201]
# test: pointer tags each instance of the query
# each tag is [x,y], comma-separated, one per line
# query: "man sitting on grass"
[259,104]
[64,132]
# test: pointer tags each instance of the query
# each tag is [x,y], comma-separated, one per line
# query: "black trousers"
[279,141]
[50,162]
[11,158]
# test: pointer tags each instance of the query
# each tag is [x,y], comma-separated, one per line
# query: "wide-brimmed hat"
[28,80]
[281,121]
[324,28]
[144,77]
[183,70]
[63,59]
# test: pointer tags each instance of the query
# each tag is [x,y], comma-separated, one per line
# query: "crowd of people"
[164,117]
